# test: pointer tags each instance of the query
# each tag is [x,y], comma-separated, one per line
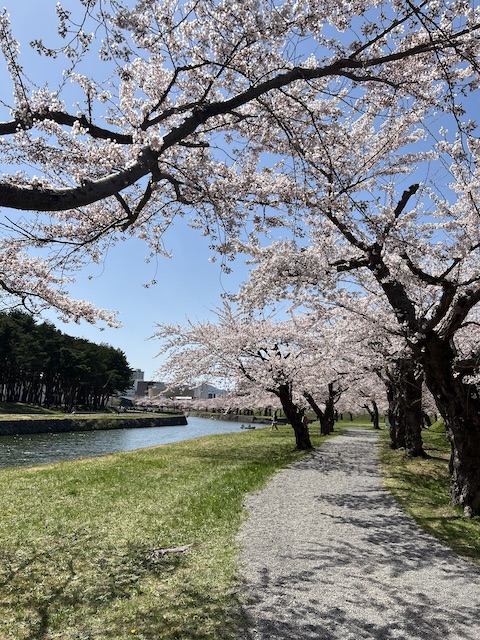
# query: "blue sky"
[187,284]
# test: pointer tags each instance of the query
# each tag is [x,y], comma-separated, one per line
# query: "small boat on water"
[247,426]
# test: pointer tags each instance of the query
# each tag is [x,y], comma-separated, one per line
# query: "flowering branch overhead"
[219,112]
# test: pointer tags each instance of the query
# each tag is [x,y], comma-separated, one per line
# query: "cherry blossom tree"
[416,249]
[368,332]
[249,116]
[394,365]
[238,347]
[246,397]
[167,109]
[303,361]
[328,345]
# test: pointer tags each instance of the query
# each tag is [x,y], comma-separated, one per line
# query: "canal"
[39,448]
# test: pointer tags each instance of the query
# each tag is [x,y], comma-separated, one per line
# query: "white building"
[136,378]
[207,391]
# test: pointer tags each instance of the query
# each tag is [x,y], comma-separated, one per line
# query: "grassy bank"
[83,543]
[20,411]
[422,486]
[23,419]
[11,409]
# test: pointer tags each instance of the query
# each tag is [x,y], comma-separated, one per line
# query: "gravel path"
[328,555]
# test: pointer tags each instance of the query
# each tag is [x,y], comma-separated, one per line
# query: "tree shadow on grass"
[34,589]
[62,588]
[64,592]
[199,614]
[443,458]
[27,597]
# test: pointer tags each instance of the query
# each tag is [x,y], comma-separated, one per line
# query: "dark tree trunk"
[373,413]
[413,379]
[376,417]
[324,428]
[294,416]
[404,393]
[329,413]
[396,426]
[426,419]
[315,407]
[326,417]
[459,406]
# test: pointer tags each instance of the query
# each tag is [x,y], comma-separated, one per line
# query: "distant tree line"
[41,365]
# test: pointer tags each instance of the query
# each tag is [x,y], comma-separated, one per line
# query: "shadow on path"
[329,555]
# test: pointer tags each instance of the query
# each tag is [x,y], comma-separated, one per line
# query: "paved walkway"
[328,555]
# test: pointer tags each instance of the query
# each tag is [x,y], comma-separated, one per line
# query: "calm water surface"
[39,448]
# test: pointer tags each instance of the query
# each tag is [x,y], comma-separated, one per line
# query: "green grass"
[76,540]
[9,409]
[422,487]
[25,412]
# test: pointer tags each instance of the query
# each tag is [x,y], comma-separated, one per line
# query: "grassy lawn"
[11,409]
[422,486]
[81,541]
[20,411]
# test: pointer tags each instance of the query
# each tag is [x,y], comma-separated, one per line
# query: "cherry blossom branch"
[57,199]
[62,118]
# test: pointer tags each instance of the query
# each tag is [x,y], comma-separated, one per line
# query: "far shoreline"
[32,424]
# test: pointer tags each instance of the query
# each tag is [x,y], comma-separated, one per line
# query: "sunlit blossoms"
[204,108]
[334,143]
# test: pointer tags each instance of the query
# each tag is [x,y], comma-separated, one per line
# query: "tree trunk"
[329,413]
[396,426]
[294,415]
[318,412]
[459,406]
[426,419]
[413,380]
[376,417]
[326,418]
[373,413]
[324,428]
[404,393]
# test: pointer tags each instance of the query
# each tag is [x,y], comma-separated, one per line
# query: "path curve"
[327,554]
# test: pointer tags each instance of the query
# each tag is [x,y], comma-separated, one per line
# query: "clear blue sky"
[188,284]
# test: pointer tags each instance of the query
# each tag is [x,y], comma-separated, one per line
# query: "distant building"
[141,388]
[138,374]
[149,388]
[207,391]
[156,389]
[136,380]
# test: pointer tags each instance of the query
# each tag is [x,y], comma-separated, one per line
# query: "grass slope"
[422,487]
[80,541]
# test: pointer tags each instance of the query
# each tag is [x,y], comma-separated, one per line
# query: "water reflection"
[38,448]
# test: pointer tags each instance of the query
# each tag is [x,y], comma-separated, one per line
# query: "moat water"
[39,448]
